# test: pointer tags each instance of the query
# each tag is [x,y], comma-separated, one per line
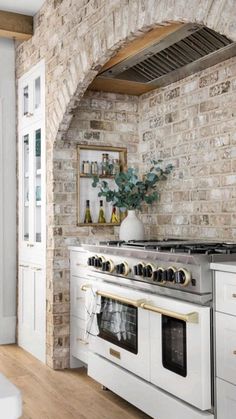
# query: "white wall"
[7,192]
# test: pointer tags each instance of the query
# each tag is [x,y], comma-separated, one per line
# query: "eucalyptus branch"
[130,191]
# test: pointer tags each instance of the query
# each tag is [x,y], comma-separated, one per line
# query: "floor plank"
[68,394]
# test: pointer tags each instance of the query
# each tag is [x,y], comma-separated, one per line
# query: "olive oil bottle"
[115,219]
[101,215]
[87,217]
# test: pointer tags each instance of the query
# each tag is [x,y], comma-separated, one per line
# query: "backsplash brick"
[198,132]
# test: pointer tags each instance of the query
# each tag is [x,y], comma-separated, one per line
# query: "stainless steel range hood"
[190,49]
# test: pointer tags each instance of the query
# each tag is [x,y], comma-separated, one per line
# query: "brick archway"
[125,21]
[88,33]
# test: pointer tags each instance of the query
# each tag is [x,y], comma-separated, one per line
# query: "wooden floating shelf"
[99,176]
[97,224]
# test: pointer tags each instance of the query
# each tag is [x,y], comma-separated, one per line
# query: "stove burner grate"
[176,246]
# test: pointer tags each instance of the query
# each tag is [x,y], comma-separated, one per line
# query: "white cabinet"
[32,306]
[78,344]
[226,347]
[226,400]
[32,223]
[225,342]
[32,194]
[31,95]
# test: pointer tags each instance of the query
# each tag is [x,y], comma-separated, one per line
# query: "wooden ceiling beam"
[15,25]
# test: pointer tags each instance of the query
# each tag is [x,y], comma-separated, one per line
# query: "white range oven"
[153,340]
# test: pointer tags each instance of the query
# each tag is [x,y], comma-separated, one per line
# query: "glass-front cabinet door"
[30,97]
[31,191]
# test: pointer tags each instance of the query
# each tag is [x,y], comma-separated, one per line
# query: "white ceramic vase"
[131,227]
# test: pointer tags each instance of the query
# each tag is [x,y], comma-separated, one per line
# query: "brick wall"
[100,119]
[76,37]
[192,124]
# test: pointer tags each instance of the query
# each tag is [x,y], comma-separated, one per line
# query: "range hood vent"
[186,51]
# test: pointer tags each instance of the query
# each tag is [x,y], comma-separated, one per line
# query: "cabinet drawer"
[79,347]
[77,297]
[226,400]
[225,285]
[78,261]
[226,347]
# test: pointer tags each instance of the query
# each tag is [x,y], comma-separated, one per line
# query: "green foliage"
[130,192]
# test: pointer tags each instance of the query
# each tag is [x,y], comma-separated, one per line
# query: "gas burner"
[205,248]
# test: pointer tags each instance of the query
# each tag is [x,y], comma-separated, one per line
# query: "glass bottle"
[101,215]
[105,163]
[114,216]
[87,217]
[115,167]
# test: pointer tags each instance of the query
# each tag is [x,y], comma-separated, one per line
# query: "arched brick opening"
[124,21]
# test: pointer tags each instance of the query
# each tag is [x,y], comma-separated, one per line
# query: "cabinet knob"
[234,295]
[29,114]
[234,352]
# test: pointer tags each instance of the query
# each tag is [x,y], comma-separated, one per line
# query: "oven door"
[123,329]
[181,349]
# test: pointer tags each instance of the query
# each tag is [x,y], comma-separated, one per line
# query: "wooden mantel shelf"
[16,26]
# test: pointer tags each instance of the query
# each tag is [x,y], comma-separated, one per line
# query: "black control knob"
[91,260]
[149,271]
[170,274]
[108,266]
[138,269]
[98,261]
[179,277]
[182,277]
[105,266]
[122,268]
[158,275]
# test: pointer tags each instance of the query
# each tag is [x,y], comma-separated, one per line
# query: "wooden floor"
[68,394]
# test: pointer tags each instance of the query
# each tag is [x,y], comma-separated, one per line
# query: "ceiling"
[27,7]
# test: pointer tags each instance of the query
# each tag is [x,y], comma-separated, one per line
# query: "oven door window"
[174,349]
[118,324]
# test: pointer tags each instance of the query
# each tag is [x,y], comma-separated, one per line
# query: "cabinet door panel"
[31,95]
[26,287]
[226,400]
[226,347]
[32,311]
[39,303]
[226,292]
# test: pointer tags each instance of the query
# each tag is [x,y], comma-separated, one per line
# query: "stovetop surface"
[177,246]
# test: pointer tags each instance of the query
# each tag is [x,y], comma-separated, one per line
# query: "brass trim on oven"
[189,317]
[114,353]
[134,303]
[82,341]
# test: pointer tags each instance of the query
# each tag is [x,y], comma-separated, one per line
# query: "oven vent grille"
[188,50]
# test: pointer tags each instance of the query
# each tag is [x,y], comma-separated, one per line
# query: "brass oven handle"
[82,341]
[189,317]
[134,303]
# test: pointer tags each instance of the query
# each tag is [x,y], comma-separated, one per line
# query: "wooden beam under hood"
[15,25]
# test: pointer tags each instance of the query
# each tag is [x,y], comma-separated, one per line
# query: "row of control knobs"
[156,274]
